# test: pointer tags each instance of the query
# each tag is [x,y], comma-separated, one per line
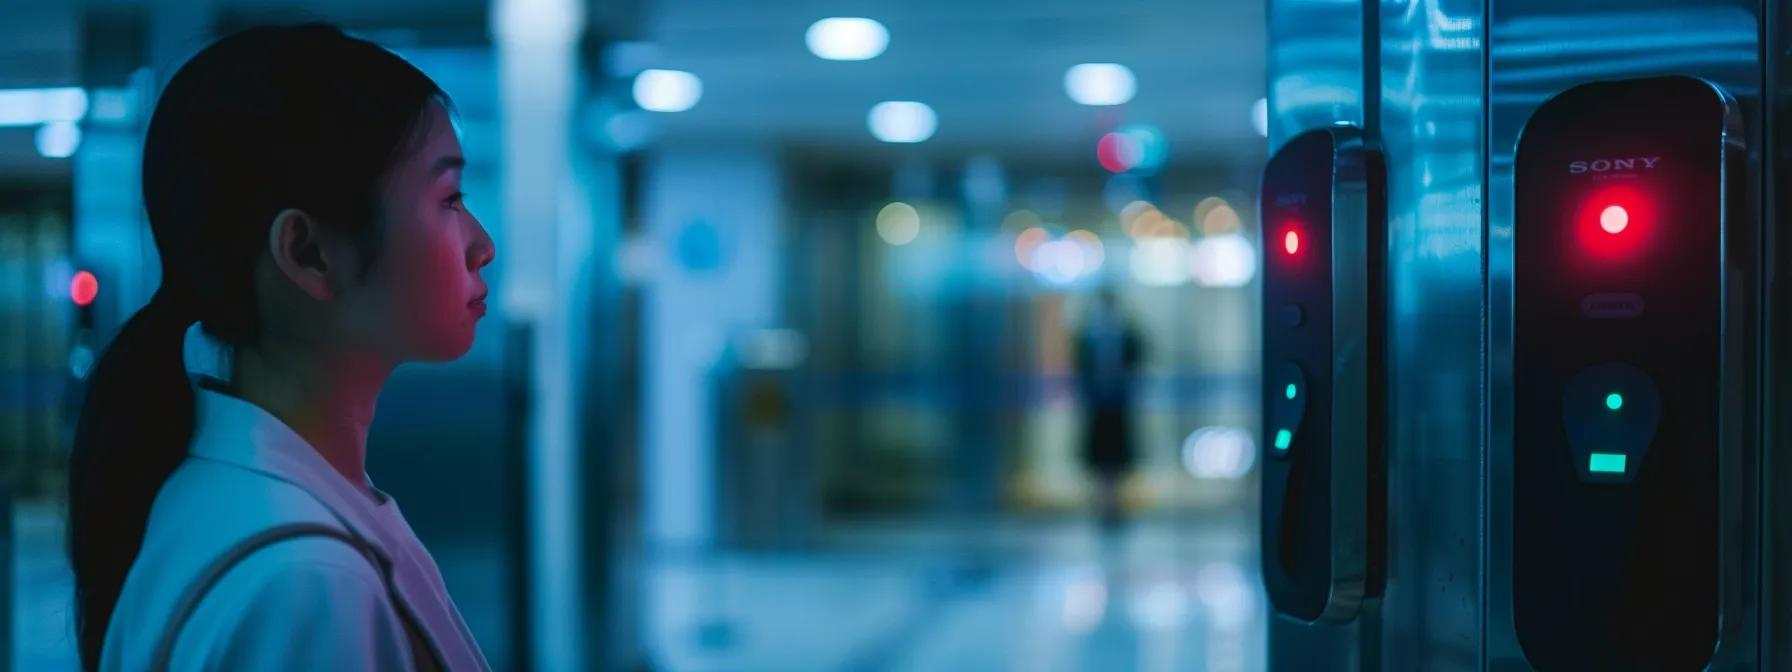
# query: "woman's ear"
[296,243]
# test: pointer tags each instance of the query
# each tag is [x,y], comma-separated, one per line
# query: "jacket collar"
[236,432]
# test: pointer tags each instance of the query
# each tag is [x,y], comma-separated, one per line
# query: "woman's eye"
[454,201]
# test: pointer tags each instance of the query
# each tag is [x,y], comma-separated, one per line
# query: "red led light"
[83,288]
[1291,242]
[1614,218]
[1616,222]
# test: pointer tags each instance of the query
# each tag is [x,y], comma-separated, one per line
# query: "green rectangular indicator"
[1283,438]
[1606,463]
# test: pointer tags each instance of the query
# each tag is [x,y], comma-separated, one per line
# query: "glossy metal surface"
[1354,345]
[1317,76]
[1316,66]
[1540,48]
[1431,61]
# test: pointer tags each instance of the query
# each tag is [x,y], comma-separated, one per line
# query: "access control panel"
[1619,294]
[1323,218]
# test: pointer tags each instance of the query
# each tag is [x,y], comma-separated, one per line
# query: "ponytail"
[135,426]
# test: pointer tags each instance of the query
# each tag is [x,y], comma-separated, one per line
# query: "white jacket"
[305,604]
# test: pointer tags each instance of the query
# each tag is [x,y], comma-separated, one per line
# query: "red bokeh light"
[1291,242]
[1118,153]
[83,288]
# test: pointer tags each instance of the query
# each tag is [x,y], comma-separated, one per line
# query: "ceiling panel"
[992,69]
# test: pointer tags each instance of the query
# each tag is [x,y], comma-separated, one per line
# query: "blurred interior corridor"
[916,336]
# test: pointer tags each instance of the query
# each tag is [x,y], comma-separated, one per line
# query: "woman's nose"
[482,252]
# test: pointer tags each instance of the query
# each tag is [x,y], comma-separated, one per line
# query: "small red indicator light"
[83,288]
[1618,222]
[1291,242]
[1613,219]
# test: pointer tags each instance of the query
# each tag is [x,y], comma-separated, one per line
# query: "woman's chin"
[449,347]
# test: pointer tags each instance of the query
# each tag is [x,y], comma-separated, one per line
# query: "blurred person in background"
[303,187]
[1108,351]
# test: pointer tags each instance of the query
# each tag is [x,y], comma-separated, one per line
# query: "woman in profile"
[303,187]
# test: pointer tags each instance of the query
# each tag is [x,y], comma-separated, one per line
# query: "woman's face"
[423,296]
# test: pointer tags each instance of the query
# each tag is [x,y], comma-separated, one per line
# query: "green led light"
[1283,438]
[1614,401]
[1606,463]
[1291,390]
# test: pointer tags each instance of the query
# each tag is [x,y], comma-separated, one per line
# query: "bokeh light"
[1060,262]
[1093,252]
[1224,453]
[58,139]
[1100,84]
[902,121]
[898,223]
[1226,260]
[667,90]
[1159,262]
[1027,243]
[1218,219]
[1118,152]
[1153,223]
[1153,151]
[847,39]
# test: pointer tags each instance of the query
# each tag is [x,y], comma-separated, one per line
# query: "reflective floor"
[1168,594]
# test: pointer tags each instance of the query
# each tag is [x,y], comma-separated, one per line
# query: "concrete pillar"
[716,214]
[545,251]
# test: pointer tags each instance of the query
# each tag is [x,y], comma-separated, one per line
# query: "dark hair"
[267,119]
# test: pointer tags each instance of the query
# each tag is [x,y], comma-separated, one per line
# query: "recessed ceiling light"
[667,90]
[1100,84]
[902,121]
[847,39]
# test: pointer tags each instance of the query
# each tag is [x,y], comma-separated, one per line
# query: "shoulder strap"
[424,655]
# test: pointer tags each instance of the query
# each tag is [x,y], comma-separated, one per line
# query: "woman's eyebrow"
[447,163]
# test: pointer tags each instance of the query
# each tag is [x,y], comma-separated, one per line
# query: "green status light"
[1291,390]
[1606,463]
[1614,401]
[1283,438]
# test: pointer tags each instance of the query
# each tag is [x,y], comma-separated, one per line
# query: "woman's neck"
[327,399]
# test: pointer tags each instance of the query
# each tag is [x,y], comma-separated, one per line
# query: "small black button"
[1292,315]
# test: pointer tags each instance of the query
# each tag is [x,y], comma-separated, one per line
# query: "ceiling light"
[902,121]
[847,39]
[30,107]
[1100,84]
[667,90]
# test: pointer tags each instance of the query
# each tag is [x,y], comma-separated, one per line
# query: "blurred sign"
[699,247]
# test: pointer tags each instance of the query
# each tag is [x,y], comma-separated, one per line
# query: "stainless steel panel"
[1316,66]
[1539,48]
[1432,119]
[1316,78]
